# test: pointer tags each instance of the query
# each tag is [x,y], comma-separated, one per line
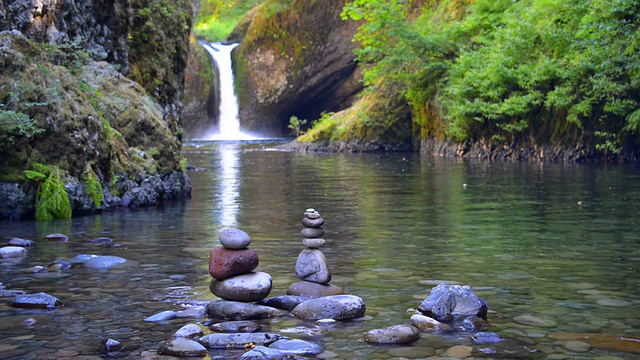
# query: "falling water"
[228,120]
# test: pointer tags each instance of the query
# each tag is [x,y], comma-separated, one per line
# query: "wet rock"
[336,307]
[238,340]
[192,312]
[234,239]
[36,301]
[189,331]
[234,310]
[309,289]
[446,302]
[265,353]
[459,351]
[241,326]
[12,252]
[314,243]
[576,346]
[472,323]
[56,237]
[182,348]
[59,265]
[81,259]
[312,232]
[284,302]
[311,214]
[312,223]
[486,338]
[531,320]
[312,266]
[163,316]
[101,240]
[22,242]
[297,346]
[10,293]
[113,348]
[425,324]
[397,334]
[104,262]
[250,287]
[225,263]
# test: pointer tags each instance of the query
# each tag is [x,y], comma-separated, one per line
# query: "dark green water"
[559,243]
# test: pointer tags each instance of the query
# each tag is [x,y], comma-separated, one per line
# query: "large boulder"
[447,302]
[294,60]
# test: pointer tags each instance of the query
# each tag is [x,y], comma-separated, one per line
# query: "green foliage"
[295,125]
[52,201]
[15,124]
[543,71]
[217,18]
[93,187]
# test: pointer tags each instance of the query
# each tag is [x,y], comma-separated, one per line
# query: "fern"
[94,187]
[52,201]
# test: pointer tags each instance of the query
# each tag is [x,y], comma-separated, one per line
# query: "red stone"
[225,263]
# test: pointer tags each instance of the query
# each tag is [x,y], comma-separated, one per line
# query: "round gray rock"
[312,223]
[297,346]
[234,239]
[12,252]
[254,286]
[104,262]
[397,334]
[189,331]
[22,242]
[336,307]
[241,326]
[182,347]
[312,266]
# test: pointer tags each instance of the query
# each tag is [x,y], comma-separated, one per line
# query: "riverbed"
[552,248]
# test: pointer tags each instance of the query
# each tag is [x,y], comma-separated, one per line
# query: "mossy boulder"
[379,121]
[87,120]
[296,58]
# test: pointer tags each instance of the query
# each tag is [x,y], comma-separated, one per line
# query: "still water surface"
[556,242]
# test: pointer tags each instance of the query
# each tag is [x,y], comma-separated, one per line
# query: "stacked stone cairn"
[231,266]
[312,266]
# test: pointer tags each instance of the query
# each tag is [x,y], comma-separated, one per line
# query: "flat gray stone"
[314,243]
[235,310]
[22,242]
[36,301]
[182,347]
[297,346]
[241,326]
[189,331]
[312,232]
[162,316]
[104,262]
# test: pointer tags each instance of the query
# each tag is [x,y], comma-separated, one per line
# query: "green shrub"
[52,201]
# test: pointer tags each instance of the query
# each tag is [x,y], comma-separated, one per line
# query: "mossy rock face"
[379,121]
[295,59]
[201,98]
[82,119]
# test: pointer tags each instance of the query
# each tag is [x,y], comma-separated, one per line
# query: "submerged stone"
[284,302]
[397,334]
[336,307]
[425,323]
[238,340]
[56,237]
[241,326]
[104,262]
[266,353]
[297,346]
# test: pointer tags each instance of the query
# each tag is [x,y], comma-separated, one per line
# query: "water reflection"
[228,187]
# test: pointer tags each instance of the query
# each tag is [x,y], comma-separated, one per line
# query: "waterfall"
[228,120]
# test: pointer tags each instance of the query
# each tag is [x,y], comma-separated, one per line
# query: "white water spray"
[228,120]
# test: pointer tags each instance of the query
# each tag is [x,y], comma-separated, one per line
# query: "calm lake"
[552,248]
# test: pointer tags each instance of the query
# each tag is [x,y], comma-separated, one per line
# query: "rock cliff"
[92,90]
[296,58]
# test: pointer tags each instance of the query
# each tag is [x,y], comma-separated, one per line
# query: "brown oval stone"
[225,263]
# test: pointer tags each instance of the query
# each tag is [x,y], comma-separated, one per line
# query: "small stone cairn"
[312,266]
[231,266]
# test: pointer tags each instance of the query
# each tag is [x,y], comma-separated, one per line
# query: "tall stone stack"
[312,266]
[231,266]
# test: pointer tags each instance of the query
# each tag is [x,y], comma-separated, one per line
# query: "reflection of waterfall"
[228,120]
[229,191]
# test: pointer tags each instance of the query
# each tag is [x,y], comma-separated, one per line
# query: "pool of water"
[552,248]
